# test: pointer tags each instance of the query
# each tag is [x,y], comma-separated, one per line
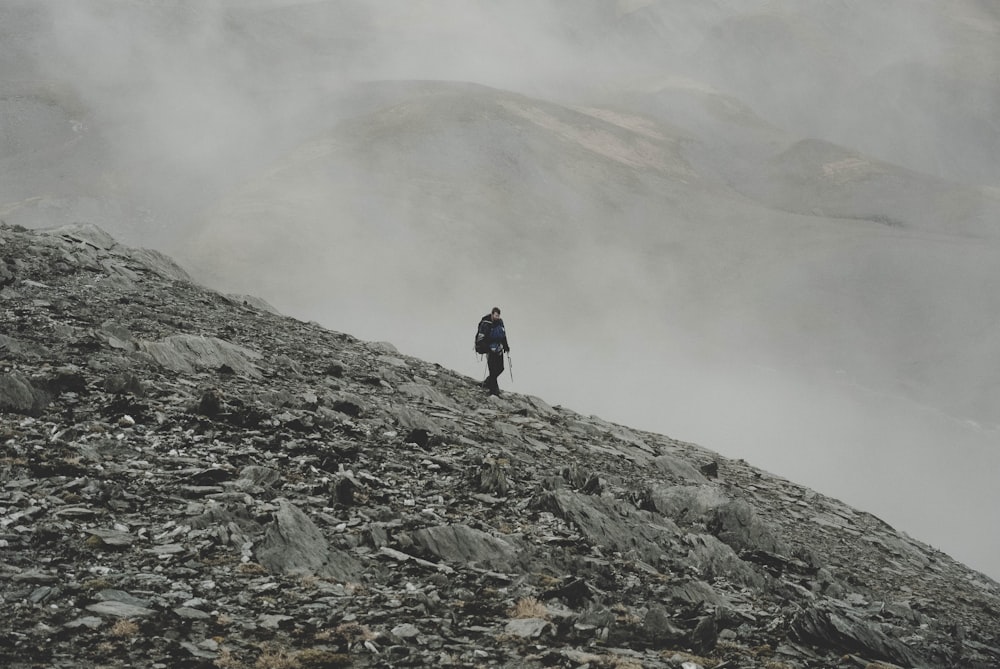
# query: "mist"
[767,228]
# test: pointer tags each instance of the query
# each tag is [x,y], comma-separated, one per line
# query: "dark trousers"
[495,363]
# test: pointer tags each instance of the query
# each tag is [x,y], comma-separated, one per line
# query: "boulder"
[842,632]
[464,544]
[732,521]
[293,544]
[610,523]
[18,395]
[678,469]
[189,353]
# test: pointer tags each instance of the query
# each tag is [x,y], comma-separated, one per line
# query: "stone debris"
[192,480]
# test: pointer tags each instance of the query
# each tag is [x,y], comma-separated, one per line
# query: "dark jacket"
[496,334]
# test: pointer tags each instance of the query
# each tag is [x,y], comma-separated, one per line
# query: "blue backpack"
[489,336]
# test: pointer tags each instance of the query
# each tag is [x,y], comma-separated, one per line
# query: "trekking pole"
[510,366]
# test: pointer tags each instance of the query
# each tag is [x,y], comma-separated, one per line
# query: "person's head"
[495,314]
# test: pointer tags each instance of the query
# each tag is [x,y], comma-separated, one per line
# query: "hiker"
[491,339]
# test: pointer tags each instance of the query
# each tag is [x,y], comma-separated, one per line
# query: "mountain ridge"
[192,481]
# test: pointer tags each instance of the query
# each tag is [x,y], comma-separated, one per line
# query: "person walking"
[491,338]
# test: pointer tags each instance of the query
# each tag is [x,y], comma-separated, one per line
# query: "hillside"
[190,480]
[785,208]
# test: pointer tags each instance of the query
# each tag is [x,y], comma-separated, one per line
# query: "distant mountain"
[872,255]
[192,481]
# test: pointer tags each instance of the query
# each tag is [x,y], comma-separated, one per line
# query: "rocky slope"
[191,480]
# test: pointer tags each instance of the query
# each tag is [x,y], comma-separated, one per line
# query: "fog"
[629,181]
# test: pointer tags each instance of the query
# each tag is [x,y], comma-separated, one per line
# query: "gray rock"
[413,419]
[678,469]
[293,544]
[714,558]
[112,538]
[18,395]
[254,302]
[659,627]
[405,631]
[463,544]
[611,523]
[842,632]
[528,628]
[425,392]
[347,403]
[695,592]
[273,621]
[256,477]
[83,232]
[492,478]
[90,622]
[122,597]
[189,613]
[732,521]
[120,610]
[189,353]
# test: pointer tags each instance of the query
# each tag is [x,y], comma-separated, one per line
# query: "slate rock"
[491,477]
[695,592]
[660,629]
[293,544]
[704,636]
[189,353]
[413,419]
[713,558]
[257,477]
[733,521]
[527,628]
[124,383]
[841,632]
[347,403]
[575,592]
[90,622]
[464,544]
[610,523]
[425,392]
[66,380]
[678,468]
[18,395]
[7,276]
[418,436]
[189,613]
[120,609]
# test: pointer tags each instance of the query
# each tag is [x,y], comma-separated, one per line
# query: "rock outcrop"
[192,480]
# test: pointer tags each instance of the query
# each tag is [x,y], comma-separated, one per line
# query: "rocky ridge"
[189,479]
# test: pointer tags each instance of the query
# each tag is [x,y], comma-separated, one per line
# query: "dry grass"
[252,568]
[124,629]
[547,581]
[351,632]
[315,658]
[273,657]
[528,607]
[624,663]
[97,584]
[227,661]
